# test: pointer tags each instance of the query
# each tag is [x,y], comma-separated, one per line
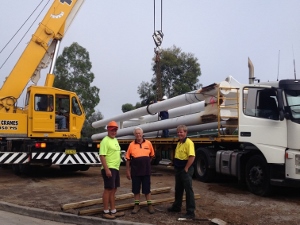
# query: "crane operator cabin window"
[43,103]
[75,107]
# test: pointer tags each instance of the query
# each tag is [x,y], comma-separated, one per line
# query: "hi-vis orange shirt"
[140,157]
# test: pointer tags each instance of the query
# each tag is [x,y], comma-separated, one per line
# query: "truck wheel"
[202,170]
[257,176]
[84,167]
[69,168]
[16,169]
[24,168]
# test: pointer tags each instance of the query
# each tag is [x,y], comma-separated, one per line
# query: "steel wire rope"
[157,61]
[24,34]
[157,36]
[161,14]
[20,27]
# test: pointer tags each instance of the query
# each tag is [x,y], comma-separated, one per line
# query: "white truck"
[249,131]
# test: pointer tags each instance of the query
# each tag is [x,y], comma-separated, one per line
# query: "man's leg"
[106,195]
[146,190]
[106,198]
[167,133]
[112,198]
[61,121]
[179,189]
[190,198]
[136,186]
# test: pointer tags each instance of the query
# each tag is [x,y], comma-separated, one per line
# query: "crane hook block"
[158,37]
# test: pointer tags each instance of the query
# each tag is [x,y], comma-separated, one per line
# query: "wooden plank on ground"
[118,197]
[94,211]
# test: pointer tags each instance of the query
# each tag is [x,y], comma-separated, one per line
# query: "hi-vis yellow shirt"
[185,149]
[110,148]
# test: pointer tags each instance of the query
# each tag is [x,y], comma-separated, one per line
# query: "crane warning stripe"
[55,157]
[60,158]
[13,158]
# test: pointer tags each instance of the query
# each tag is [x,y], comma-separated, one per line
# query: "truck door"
[76,116]
[259,122]
[62,111]
[43,115]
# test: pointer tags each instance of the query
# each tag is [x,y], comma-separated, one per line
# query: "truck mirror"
[281,115]
[287,115]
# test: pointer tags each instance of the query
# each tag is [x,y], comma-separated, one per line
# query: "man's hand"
[128,175]
[108,173]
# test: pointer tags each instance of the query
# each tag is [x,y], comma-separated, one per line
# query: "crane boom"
[47,130]
[41,46]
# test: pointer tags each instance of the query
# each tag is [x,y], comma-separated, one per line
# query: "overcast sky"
[220,34]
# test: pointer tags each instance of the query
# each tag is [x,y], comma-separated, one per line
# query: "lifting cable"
[160,15]
[25,32]
[158,38]
[158,34]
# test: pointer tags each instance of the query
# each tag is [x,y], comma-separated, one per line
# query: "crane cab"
[53,113]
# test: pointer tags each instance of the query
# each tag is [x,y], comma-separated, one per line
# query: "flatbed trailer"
[253,133]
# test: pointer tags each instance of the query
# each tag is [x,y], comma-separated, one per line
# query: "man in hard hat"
[138,168]
[164,115]
[110,156]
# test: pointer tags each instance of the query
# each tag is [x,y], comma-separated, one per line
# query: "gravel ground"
[49,188]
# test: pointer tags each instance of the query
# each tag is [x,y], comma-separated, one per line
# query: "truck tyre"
[257,176]
[24,168]
[202,168]
[16,169]
[84,167]
[69,168]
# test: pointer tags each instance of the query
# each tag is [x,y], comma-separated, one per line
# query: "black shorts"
[111,182]
[137,181]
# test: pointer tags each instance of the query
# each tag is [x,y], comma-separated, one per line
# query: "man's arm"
[189,163]
[128,169]
[104,164]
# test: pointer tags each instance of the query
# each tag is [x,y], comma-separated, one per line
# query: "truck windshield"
[293,100]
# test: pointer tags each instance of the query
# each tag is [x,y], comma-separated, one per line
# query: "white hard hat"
[164,98]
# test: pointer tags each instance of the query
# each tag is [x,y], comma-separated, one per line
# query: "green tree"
[127,107]
[179,74]
[146,90]
[73,73]
[138,105]
[88,130]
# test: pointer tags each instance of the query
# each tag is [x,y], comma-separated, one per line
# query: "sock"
[136,202]
[113,211]
[149,202]
[106,211]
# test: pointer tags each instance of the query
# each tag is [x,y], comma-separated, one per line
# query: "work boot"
[108,216]
[150,209]
[171,209]
[118,214]
[136,209]
[189,215]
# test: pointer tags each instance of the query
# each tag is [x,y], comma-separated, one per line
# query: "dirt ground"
[49,188]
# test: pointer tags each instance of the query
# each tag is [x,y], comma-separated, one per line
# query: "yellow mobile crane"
[32,135]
